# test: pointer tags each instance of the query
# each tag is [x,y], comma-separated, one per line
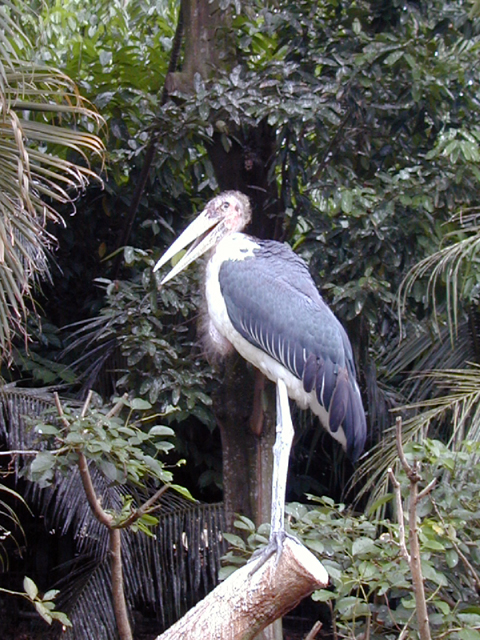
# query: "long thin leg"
[281,455]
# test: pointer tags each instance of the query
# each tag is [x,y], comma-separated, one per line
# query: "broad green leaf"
[161,430]
[363,546]
[44,461]
[30,587]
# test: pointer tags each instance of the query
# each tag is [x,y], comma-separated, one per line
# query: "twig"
[424,492]
[20,452]
[138,513]
[86,404]
[115,410]
[58,404]
[312,634]
[401,454]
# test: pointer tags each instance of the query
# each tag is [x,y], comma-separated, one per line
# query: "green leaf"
[351,606]
[346,201]
[161,430]
[109,470]
[322,595]
[429,573]
[244,523]
[43,611]
[139,404]
[183,492]
[47,430]
[30,587]
[362,546]
[443,606]
[43,461]
[234,540]
[62,618]
[314,544]
[432,544]
[451,558]
[468,634]
[393,58]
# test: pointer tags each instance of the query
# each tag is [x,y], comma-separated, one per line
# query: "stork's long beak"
[194,231]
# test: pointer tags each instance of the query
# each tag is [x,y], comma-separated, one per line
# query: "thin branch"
[115,410]
[102,516]
[400,516]
[401,454]
[414,544]
[144,508]
[312,634]
[118,592]
[58,404]
[424,492]
[86,404]
[19,452]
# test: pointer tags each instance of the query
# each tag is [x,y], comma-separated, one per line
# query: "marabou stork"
[262,301]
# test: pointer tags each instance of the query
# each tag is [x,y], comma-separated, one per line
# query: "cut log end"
[249,600]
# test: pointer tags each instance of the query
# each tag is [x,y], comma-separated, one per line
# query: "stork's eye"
[226,205]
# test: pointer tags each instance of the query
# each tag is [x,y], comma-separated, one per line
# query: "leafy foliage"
[371,586]
[371,114]
[153,332]
[121,449]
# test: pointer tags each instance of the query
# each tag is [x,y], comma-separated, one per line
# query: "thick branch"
[400,516]
[118,593]
[102,516]
[416,565]
[247,602]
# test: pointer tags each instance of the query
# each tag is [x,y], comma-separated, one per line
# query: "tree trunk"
[245,404]
[250,600]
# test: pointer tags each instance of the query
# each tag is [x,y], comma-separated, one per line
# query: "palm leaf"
[450,264]
[457,405]
[45,161]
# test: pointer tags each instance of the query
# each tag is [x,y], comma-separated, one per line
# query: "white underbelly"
[272,369]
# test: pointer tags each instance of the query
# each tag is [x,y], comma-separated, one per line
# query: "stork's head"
[225,214]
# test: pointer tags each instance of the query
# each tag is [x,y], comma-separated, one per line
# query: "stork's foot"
[274,547]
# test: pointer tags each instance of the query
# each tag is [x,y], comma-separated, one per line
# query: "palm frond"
[457,405]
[87,598]
[451,263]
[46,146]
[167,574]
[9,522]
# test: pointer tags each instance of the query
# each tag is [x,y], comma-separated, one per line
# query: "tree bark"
[209,43]
[118,592]
[250,600]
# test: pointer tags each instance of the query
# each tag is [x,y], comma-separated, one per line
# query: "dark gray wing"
[273,303]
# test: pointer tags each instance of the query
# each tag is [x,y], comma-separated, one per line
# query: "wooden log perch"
[248,601]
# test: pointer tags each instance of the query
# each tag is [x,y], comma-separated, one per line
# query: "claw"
[274,546]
